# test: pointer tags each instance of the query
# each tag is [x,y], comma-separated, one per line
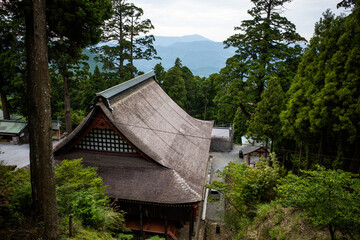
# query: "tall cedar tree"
[124,28]
[324,97]
[72,27]
[11,52]
[174,84]
[265,122]
[266,46]
[38,86]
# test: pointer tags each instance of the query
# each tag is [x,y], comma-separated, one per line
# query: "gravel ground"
[17,155]
[14,154]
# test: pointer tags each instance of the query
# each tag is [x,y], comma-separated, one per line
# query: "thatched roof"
[176,144]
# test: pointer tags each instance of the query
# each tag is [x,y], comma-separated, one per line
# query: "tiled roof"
[11,127]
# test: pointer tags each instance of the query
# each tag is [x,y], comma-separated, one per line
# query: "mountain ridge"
[201,55]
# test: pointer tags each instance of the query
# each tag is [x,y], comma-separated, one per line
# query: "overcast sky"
[216,19]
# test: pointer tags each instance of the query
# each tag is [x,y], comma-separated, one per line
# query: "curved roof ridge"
[116,90]
[185,185]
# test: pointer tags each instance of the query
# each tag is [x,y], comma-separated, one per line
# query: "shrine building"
[150,153]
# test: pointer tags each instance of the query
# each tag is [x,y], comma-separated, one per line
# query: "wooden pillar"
[166,222]
[141,221]
[191,227]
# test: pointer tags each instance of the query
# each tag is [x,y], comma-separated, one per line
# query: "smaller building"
[13,131]
[222,139]
[56,130]
[252,153]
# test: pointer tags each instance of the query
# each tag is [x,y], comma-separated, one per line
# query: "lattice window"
[105,140]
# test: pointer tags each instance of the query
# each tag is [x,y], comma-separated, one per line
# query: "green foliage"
[194,94]
[330,198]
[265,123]
[266,48]
[81,191]
[73,181]
[205,108]
[12,66]
[174,86]
[272,221]
[129,30]
[84,208]
[156,238]
[76,117]
[324,96]
[86,234]
[159,73]
[15,195]
[246,186]
[123,236]
[240,125]
[230,87]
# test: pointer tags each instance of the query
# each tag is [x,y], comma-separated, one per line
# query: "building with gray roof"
[152,155]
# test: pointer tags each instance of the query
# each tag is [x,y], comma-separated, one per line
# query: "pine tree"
[11,57]
[265,47]
[174,84]
[80,27]
[324,96]
[265,123]
[124,28]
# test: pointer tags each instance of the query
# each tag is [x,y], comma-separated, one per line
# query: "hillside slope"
[276,222]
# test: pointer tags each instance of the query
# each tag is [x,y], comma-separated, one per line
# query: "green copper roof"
[116,90]
[11,127]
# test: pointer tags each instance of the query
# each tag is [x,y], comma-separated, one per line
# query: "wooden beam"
[141,221]
[166,222]
[191,227]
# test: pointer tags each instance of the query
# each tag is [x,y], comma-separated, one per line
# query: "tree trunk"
[67,106]
[320,147]
[292,162]
[266,149]
[355,161]
[300,158]
[39,111]
[332,231]
[5,105]
[284,157]
[340,151]
[205,110]
[121,39]
[132,44]
[308,159]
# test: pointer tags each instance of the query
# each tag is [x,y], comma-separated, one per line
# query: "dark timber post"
[166,222]
[191,228]
[141,221]
[71,224]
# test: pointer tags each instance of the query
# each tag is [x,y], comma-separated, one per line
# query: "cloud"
[216,20]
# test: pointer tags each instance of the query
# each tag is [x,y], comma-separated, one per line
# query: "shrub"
[330,198]
[246,186]
[15,195]
[73,181]
[80,191]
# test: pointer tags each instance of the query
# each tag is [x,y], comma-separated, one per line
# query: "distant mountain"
[201,55]
[167,41]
